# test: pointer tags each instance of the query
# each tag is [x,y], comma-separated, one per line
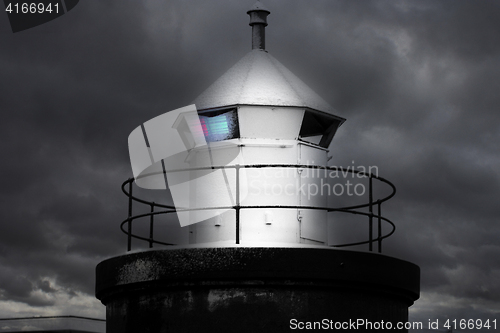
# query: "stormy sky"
[418,81]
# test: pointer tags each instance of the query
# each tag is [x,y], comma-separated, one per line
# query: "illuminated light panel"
[221,127]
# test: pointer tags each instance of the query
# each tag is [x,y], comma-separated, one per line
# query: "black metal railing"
[355,209]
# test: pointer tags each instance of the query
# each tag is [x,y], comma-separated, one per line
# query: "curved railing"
[168,209]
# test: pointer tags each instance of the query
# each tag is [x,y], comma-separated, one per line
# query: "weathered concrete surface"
[248,289]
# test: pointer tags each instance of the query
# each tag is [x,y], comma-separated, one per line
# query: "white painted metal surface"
[269,135]
[259,79]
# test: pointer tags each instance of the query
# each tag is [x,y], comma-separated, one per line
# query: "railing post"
[370,227]
[379,226]
[237,207]
[151,223]
[129,230]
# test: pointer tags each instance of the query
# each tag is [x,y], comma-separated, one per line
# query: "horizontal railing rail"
[353,209]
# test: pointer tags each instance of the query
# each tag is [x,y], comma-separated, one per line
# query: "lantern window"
[219,125]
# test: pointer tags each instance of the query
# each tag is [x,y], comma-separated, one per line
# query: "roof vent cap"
[258,20]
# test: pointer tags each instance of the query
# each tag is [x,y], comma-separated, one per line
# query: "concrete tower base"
[248,289]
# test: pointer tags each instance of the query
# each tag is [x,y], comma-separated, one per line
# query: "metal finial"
[258,20]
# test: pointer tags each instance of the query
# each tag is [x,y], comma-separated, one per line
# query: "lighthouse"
[247,167]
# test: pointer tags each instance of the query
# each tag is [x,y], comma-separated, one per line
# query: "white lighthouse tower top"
[246,163]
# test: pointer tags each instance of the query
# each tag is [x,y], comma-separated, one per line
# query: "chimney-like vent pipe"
[258,20]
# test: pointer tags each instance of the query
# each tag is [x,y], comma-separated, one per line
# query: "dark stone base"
[242,289]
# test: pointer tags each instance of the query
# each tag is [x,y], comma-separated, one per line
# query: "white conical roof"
[259,79]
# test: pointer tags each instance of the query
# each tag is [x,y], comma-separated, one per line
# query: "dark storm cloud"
[418,82]
[73,90]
